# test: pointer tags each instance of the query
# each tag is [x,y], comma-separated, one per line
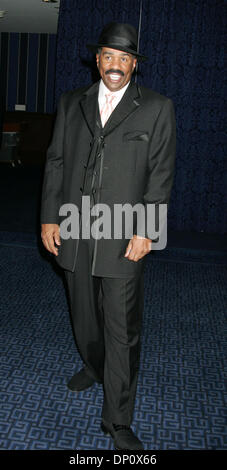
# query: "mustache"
[114,71]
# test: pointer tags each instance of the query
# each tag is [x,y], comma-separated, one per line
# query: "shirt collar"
[119,93]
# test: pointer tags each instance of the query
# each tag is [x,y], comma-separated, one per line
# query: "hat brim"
[93,48]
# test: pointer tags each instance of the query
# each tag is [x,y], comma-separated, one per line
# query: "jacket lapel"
[129,103]
[89,103]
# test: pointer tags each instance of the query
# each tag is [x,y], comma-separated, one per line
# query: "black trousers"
[107,319]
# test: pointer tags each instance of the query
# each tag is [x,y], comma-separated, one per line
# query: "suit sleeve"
[53,174]
[161,160]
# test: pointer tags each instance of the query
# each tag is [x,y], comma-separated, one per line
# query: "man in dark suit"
[114,149]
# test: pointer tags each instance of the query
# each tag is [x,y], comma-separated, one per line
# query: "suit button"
[93,191]
[81,189]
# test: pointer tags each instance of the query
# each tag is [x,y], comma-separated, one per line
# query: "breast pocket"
[135,147]
[132,136]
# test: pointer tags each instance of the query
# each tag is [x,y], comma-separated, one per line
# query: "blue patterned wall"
[27,64]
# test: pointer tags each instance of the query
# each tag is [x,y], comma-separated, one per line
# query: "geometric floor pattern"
[180,400]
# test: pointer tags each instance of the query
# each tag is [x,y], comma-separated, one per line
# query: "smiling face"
[115,67]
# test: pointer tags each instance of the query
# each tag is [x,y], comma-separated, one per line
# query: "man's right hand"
[50,235]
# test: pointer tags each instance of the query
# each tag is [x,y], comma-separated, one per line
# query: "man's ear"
[97,59]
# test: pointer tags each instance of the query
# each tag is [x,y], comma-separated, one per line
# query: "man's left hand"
[137,248]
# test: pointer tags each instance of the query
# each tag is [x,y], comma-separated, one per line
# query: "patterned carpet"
[180,394]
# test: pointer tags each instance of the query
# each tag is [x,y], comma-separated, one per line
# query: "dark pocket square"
[136,135]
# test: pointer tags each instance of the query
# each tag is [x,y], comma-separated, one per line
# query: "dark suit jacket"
[138,164]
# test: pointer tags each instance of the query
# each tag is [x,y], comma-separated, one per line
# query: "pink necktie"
[107,108]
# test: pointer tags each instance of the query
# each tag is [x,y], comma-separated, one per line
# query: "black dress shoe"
[123,436]
[80,381]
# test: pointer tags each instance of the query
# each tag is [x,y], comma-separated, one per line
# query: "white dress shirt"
[103,90]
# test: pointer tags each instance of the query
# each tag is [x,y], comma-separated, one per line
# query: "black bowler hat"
[120,36]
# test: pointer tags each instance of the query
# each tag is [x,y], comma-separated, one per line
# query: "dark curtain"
[184,40]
